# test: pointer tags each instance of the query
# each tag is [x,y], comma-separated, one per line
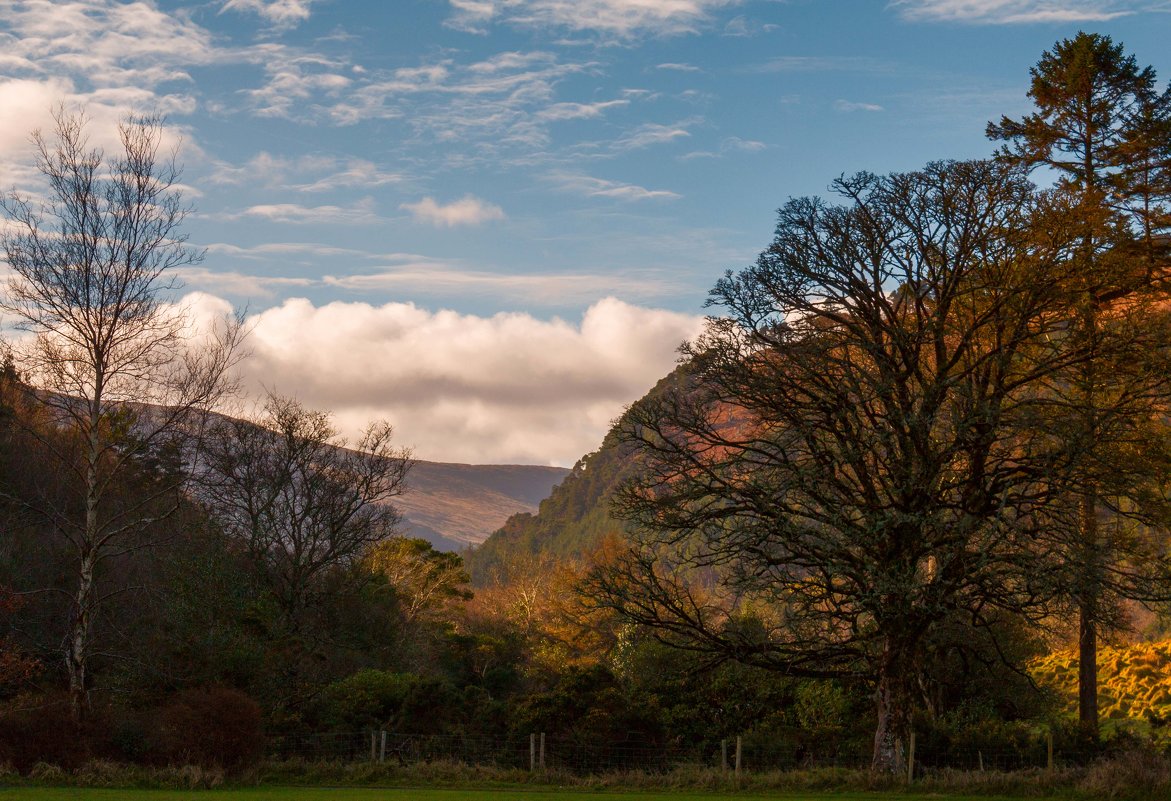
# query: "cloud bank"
[509,388]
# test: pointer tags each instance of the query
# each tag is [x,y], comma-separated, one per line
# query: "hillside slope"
[575,518]
[458,505]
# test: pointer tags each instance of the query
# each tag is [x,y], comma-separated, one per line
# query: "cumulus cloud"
[468,210]
[615,18]
[506,388]
[1000,12]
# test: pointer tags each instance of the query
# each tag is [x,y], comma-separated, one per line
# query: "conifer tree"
[1102,126]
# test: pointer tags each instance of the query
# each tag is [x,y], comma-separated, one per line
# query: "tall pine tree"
[1102,126]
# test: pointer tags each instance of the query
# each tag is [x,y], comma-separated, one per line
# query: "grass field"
[367,794]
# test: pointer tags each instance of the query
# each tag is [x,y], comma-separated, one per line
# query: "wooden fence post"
[738,751]
[911,759]
[532,752]
[542,760]
[1049,750]
[373,746]
[382,751]
[724,756]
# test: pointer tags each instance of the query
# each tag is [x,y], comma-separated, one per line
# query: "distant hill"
[575,518]
[459,505]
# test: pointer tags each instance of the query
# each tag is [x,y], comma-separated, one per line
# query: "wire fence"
[566,753]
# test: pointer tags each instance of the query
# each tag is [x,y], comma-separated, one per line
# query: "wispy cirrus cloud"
[311,173]
[358,213]
[582,184]
[239,284]
[729,144]
[468,210]
[848,106]
[622,19]
[578,111]
[279,13]
[1003,12]
[547,289]
[653,133]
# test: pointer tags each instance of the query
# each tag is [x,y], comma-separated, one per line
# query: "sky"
[491,222]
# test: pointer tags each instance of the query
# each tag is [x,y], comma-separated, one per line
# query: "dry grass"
[1137,775]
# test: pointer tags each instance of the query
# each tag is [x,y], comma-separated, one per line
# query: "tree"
[858,453]
[111,356]
[303,505]
[1104,128]
[428,583]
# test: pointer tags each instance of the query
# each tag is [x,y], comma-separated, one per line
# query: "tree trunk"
[1087,673]
[893,714]
[78,640]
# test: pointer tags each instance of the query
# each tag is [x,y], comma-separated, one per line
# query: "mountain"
[575,518]
[459,505]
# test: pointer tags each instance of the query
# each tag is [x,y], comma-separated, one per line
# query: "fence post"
[738,744]
[1049,750]
[980,757]
[382,751]
[373,746]
[542,759]
[911,759]
[724,756]
[532,752]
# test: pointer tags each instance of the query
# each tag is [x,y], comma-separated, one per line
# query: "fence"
[539,751]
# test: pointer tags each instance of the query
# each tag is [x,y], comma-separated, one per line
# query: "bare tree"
[300,502]
[111,356]
[865,450]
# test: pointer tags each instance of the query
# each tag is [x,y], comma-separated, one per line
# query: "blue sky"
[491,221]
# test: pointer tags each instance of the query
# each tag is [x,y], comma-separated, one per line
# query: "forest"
[913,478]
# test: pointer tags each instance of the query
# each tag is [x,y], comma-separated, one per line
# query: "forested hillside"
[575,518]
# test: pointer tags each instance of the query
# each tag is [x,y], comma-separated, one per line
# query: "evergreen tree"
[1101,124]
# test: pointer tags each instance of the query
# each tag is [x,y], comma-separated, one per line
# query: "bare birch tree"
[93,265]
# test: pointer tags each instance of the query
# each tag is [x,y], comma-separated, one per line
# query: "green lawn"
[366,794]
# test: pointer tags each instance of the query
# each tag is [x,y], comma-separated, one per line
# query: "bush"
[40,729]
[212,728]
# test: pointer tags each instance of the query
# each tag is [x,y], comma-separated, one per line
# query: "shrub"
[212,728]
[40,729]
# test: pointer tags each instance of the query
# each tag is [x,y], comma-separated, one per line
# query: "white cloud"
[303,174]
[280,13]
[615,18]
[359,213]
[730,144]
[468,210]
[650,134]
[848,106]
[1014,11]
[599,187]
[429,277]
[577,111]
[506,388]
[677,67]
[236,283]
